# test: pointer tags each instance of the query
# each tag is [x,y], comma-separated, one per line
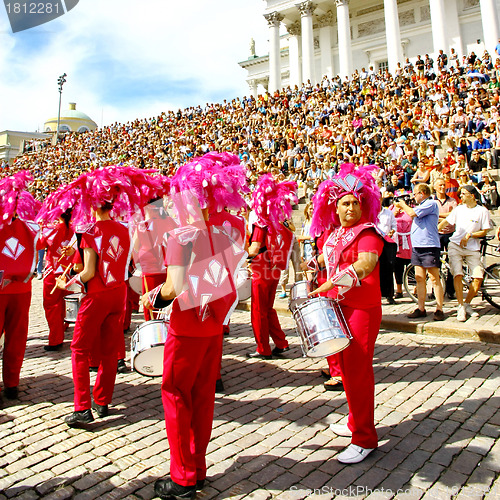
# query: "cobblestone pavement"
[438,417]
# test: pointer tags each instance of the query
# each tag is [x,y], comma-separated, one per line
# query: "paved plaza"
[437,414]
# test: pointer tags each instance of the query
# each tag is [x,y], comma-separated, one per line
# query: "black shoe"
[398,295]
[417,313]
[101,410]
[278,352]
[219,386]
[53,347]
[122,367]
[326,374]
[390,300]
[258,355]
[93,369]
[79,418]
[334,385]
[11,392]
[167,489]
[200,484]
[438,315]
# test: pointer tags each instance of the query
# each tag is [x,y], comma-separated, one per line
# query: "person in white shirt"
[472,221]
[386,223]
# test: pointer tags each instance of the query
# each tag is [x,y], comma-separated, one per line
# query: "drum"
[72,307]
[147,348]
[243,284]
[322,327]
[299,293]
[135,282]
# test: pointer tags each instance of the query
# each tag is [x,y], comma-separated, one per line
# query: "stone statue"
[252,48]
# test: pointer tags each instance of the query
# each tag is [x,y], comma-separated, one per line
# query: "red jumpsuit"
[363,312]
[193,349]
[333,360]
[235,227]
[17,264]
[99,324]
[53,239]
[265,278]
[149,252]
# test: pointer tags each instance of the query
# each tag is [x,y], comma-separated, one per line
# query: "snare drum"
[243,284]
[322,327]
[135,282]
[72,303]
[147,345]
[299,293]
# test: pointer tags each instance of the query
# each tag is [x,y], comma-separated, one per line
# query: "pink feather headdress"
[215,180]
[15,200]
[350,180]
[273,201]
[126,188]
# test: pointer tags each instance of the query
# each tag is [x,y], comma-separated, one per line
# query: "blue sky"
[127,59]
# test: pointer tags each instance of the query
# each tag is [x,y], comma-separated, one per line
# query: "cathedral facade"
[311,39]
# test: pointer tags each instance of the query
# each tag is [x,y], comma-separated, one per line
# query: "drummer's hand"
[61,282]
[145,302]
[325,287]
[303,266]
[67,251]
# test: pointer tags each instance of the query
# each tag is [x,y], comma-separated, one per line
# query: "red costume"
[54,239]
[235,227]
[333,360]
[193,347]
[17,264]
[265,278]
[149,252]
[362,309]
[100,319]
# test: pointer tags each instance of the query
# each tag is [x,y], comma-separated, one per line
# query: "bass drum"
[322,327]
[147,346]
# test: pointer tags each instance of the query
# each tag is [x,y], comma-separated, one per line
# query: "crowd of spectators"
[429,119]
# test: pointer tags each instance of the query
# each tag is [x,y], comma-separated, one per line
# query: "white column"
[453,28]
[294,54]
[252,84]
[306,13]
[438,20]
[489,18]
[392,34]
[344,29]
[274,20]
[325,23]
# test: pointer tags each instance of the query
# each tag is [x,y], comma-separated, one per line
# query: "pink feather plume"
[15,199]
[126,188]
[216,180]
[273,201]
[330,191]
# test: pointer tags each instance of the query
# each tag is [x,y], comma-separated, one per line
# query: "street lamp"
[60,82]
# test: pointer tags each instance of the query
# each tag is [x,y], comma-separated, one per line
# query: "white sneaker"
[470,311]
[353,454]
[341,430]
[461,314]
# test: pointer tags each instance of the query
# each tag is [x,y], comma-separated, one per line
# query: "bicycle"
[490,287]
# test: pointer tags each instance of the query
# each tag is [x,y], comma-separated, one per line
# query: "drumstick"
[146,291]
[63,275]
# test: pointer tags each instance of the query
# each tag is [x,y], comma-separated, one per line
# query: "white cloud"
[127,58]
